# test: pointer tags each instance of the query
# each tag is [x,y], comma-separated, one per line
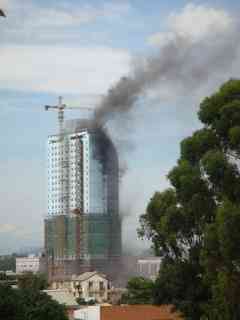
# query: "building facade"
[149,267]
[82,227]
[29,264]
[87,286]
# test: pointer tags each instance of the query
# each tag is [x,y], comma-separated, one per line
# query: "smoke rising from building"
[184,62]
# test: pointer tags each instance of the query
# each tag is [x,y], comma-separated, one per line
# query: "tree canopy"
[194,225]
[8,263]
[25,304]
[36,282]
[139,291]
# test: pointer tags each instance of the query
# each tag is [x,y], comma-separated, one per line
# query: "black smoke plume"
[181,63]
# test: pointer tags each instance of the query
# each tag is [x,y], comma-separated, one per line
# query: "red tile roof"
[138,312]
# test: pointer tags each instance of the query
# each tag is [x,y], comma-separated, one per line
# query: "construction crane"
[60,109]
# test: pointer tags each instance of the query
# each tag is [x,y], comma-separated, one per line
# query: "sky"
[80,49]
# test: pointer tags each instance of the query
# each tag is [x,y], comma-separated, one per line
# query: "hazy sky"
[78,49]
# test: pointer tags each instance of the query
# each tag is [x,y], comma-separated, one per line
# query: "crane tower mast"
[60,107]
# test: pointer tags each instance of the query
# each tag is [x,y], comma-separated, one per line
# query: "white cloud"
[198,51]
[160,38]
[61,70]
[62,18]
[195,23]
[67,16]
[7,228]
[29,21]
[198,21]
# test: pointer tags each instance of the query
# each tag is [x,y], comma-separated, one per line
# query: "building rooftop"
[63,296]
[87,275]
[150,259]
[138,312]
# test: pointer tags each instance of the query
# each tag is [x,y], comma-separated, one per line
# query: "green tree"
[10,304]
[36,282]
[8,263]
[22,304]
[194,225]
[139,291]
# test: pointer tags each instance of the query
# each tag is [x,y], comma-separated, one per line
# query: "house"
[63,296]
[88,286]
[129,312]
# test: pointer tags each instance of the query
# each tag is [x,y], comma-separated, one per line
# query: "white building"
[89,313]
[88,286]
[75,175]
[29,264]
[149,267]
[68,173]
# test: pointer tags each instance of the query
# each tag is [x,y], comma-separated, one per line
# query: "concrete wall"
[89,313]
[31,264]
[149,268]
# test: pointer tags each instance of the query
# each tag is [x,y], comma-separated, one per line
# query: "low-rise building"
[149,267]
[63,296]
[88,286]
[134,312]
[31,263]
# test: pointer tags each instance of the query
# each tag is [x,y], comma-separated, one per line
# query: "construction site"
[82,226]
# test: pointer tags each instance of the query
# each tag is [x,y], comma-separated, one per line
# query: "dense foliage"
[23,304]
[139,291]
[28,280]
[194,225]
[8,263]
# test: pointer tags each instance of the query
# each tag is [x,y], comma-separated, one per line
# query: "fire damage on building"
[83,226]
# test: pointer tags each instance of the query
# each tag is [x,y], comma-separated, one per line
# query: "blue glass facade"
[91,228]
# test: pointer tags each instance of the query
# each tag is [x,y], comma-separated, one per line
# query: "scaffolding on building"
[74,239]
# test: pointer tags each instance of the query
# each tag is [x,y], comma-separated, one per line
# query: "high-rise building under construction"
[82,227]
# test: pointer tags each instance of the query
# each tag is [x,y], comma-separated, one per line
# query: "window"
[90,285]
[101,285]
